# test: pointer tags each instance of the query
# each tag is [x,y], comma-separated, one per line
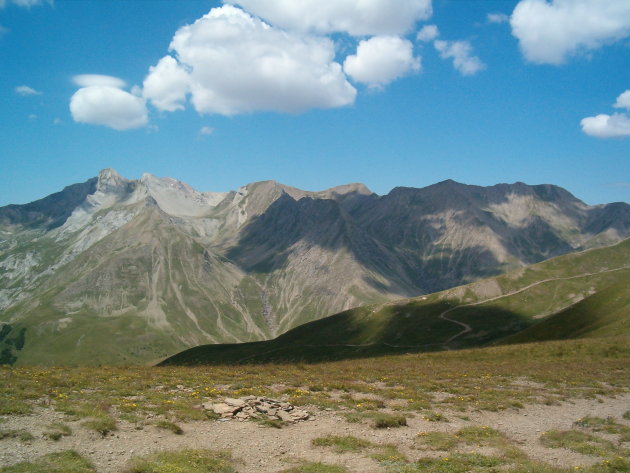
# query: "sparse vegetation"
[608,425]
[477,436]
[434,417]
[443,441]
[14,407]
[580,442]
[56,430]
[60,462]
[385,421]
[378,420]
[455,463]
[312,467]
[168,425]
[21,435]
[103,424]
[480,435]
[389,455]
[343,443]
[188,461]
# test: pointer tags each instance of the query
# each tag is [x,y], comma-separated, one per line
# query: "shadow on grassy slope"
[365,332]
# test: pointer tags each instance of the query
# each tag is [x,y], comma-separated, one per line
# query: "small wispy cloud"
[206,130]
[462,54]
[25,90]
[619,185]
[498,18]
[25,3]
[428,33]
[3,31]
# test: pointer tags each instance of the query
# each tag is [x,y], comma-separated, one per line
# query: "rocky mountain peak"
[352,188]
[109,180]
[153,182]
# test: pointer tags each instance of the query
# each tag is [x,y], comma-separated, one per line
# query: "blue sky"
[316,93]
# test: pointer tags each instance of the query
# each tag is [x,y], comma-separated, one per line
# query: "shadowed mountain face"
[122,271]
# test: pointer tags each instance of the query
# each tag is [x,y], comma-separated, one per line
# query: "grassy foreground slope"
[577,295]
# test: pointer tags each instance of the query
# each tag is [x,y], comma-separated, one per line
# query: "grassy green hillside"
[606,313]
[578,295]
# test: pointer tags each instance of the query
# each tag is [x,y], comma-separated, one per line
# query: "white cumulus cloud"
[623,101]
[167,85]
[461,53]
[616,125]
[428,33]
[355,17]
[26,90]
[236,63]
[549,32]
[101,101]
[380,60]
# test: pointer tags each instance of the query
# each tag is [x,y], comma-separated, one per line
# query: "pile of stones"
[251,407]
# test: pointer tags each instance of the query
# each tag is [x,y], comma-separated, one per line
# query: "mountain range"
[127,271]
[578,295]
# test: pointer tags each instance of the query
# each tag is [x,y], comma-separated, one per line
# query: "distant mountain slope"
[573,296]
[160,267]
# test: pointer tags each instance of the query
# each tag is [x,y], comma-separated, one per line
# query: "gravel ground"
[267,450]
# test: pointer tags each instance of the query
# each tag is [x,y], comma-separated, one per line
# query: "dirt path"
[267,450]
[467,328]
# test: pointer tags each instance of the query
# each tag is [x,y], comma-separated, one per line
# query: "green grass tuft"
[312,467]
[342,443]
[438,440]
[61,462]
[456,463]
[15,407]
[480,435]
[168,425]
[386,421]
[580,442]
[379,420]
[183,461]
[21,435]
[434,417]
[103,424]
[389,455]
[56,430]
